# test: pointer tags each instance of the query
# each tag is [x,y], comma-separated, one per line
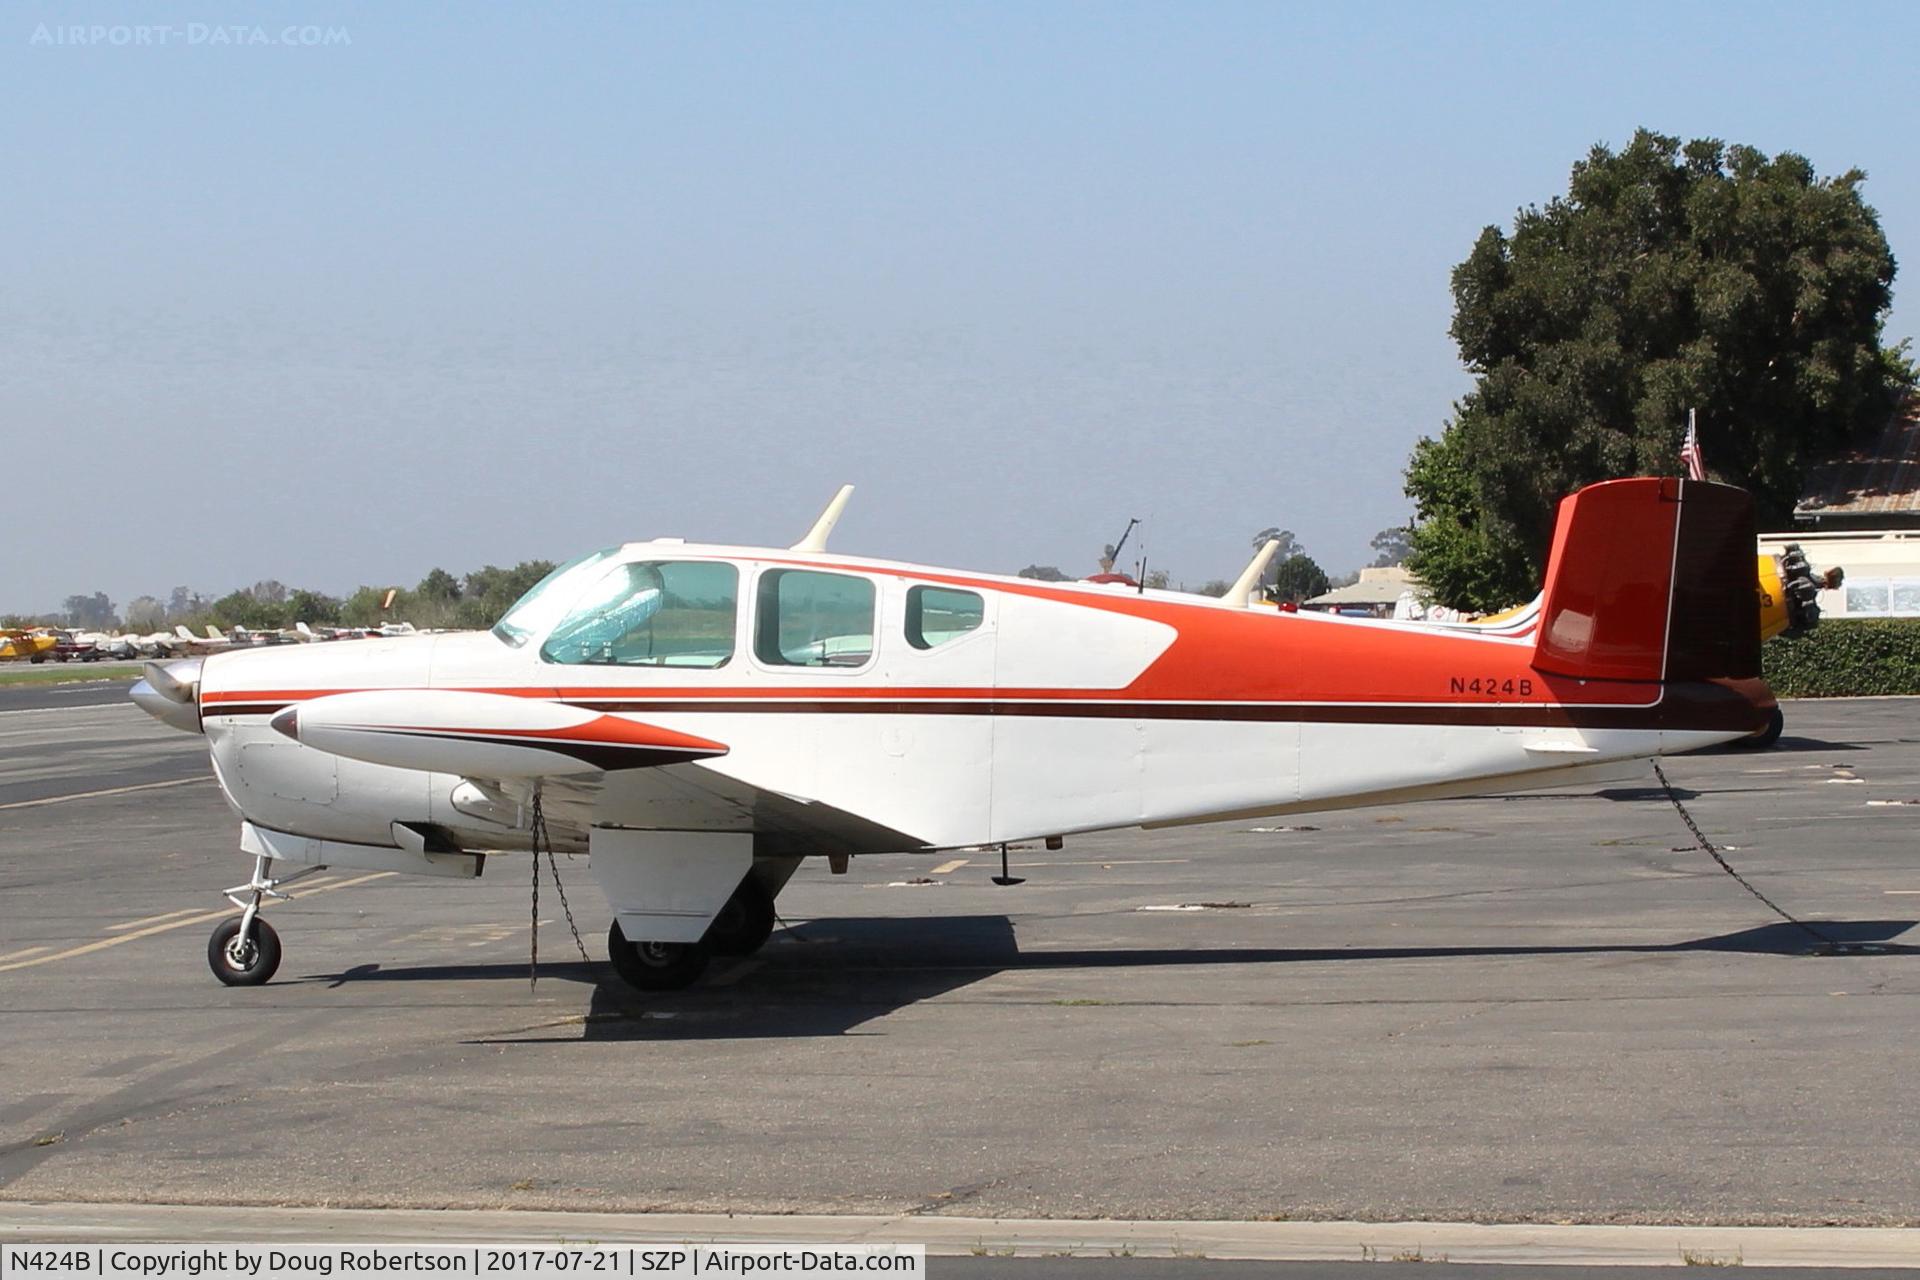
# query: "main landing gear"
[742,928]
[1776,722]
[244,951]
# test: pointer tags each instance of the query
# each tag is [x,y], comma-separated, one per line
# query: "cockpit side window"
[808,619]
[936,615]
[652,613]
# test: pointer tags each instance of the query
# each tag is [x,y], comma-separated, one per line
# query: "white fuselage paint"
[919,765]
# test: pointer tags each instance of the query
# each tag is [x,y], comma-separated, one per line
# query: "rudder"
[1651,579]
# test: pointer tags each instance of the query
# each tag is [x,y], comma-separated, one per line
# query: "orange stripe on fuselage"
[1218,655]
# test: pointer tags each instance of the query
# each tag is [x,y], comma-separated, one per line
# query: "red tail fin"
[1651,579]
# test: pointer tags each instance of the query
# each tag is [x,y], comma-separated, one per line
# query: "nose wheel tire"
[243,961]
[745,923]
[656,966]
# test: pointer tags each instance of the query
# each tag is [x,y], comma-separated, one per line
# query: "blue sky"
[486,282]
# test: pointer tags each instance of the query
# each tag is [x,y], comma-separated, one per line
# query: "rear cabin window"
[652,613]
[936,615]
[808,619]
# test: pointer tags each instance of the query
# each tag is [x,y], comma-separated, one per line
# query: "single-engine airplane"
[22,644]
[700,718]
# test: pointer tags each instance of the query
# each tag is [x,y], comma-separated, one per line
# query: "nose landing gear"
[244,951]
[243,956]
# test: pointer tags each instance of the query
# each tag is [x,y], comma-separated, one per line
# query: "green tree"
[1043,573]
[1288,549]
[1289,545]
[438,585]
[93,613]
[245,609]
[183,604]
[1668,278]
[1391,547]
[313,608]
[1298,578]
[362,608]
[145,613]
[491,591]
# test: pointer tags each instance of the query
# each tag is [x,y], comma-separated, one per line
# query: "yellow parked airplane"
[18,645]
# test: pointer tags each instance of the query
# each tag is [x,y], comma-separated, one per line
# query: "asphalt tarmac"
[1522,1009]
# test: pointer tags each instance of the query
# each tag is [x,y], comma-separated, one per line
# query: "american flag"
[1690,452]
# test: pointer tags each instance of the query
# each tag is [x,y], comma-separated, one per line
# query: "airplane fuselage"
[1028,710]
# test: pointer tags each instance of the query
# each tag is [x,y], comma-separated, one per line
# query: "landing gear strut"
[244,951]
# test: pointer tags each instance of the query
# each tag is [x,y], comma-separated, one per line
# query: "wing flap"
[693,797]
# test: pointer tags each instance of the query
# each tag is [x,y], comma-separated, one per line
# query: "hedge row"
[1846,658]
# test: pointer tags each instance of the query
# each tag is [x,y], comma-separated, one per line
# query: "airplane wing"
[694,796]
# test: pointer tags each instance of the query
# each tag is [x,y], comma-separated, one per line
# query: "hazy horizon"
[479,285]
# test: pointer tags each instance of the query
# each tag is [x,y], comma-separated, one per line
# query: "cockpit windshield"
[549,600]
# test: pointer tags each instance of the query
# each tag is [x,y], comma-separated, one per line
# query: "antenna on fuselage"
[816,539]
[1112,557]
[1241,592]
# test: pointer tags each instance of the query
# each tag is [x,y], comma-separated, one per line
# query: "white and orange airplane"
[700,718]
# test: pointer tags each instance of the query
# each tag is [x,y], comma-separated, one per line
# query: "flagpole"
[1690,456]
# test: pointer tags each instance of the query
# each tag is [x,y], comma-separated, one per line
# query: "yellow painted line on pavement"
[955,865]
[205,917]
[110,791]
[1896,892]
[164,915]
[15,955]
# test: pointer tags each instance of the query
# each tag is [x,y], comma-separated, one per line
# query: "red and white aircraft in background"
[700,718]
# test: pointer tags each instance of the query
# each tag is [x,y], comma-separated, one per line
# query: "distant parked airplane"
[20,644]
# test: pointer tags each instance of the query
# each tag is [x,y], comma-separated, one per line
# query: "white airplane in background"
[214,641]
[700,718]
[157,644]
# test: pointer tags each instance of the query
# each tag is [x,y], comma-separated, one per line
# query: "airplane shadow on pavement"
[1789,744]
[828,976]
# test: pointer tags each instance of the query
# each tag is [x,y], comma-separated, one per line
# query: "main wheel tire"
[745,923]
[656,966]
[1776,721]
[243,964]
